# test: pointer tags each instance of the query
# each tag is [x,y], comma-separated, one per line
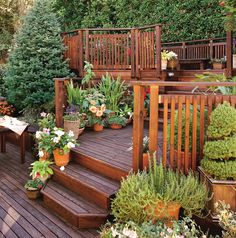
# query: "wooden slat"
[202,124]
[187,126]
[165,126]
[179,145]
[138,127]
[172,132]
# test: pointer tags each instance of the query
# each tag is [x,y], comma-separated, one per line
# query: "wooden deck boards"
[20,217]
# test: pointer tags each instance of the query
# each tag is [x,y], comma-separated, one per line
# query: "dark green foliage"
[183,20]
[36,58]
[222,170]
[222,122]
[2,72]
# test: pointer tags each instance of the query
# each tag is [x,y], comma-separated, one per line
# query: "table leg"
[22,148]
[3,142]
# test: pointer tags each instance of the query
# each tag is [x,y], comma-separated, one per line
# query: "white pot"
[163,64]
[234,61]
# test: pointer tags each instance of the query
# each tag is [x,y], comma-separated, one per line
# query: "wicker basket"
[72,126]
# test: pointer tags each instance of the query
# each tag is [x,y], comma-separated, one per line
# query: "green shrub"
[221,149]
[220,169]
[2,72]
[222,121]
[36,58]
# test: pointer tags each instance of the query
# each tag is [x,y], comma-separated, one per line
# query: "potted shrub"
[41,170]
[116,122]
[218,63]
[218,167]
[62,142]
[33,188]
[72,123]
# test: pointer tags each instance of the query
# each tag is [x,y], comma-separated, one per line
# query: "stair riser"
[98,166]
[82,221]
[82,189]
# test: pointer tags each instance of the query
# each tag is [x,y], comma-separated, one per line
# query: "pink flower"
[43,114]
[46,130]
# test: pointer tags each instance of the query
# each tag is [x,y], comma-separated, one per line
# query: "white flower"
[114,232]
[38,134]
[43,114]
[62,168]
[55,128]
[129,233]
[41,154]
[56,139]
[59,133]
[70,145]
[71,133]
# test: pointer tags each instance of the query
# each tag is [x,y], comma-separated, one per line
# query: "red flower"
[222,3]
[148,90]
[37,174]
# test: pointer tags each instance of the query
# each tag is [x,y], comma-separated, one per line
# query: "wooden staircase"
[81,194]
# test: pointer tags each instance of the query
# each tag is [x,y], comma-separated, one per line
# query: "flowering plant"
[6,109]
[41,169]
[168,55]
[35,184]
[185,228]
[62,140]
[47,120]
[43,139]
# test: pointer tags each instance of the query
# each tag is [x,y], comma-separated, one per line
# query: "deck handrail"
[171,155]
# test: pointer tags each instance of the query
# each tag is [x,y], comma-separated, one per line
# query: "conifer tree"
[36,58]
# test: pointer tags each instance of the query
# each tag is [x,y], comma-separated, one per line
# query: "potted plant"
[72,123]
[98,124]
[33,188]
[41,170]
[164,58]
[168,56]
[116,121]
[172,62]
[218,63]
[62,142]
[218,167]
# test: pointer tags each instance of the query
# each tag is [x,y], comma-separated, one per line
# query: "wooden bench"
[201,63]
[3,132]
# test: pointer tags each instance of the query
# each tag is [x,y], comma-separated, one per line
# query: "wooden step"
[193,72]
[97,165]
[73,208]
[94,187]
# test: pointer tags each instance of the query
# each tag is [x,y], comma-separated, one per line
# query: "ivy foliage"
[183,20]
[36,58]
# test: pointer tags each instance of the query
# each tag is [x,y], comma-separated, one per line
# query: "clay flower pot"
[32,194]
[45,156]
[97,127]
[145,161]
[115,126]
[60,157]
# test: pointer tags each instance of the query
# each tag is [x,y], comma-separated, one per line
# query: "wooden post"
[22,147]
[87,45]
[158,51]
[211,49]
[138,124]
[184,50]
[81,54]
[137,54]
[153,123]
[59,101]
[132,53]
[229,53]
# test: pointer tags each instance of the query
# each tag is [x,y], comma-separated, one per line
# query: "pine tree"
[36,58]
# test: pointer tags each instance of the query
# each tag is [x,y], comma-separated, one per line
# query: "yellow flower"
[93,102]
[99,113]
[103,108]
[93,109]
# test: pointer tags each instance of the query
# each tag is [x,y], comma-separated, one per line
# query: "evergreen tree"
[36,58]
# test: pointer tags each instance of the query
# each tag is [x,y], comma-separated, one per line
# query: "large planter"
[220,190]
[166,212]
[234,61]
[217,65]
[72,126]
[115,126]
[61,158]
[97,127]
[163,64]
[32,194]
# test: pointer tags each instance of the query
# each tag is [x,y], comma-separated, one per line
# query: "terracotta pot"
[97,127]
[72,126]
[61,158]
[165,212]
[116,126]
[217,65]
[234,61]
[32,194]
[163,64]
[46,156]
[172,64]
[145,161]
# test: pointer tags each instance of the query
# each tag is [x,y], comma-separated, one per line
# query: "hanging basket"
[72,126]
[60,157]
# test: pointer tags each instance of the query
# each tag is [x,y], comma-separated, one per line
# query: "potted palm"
[33,188]
[116,122]
[218,167]
[61,143]
[41,170]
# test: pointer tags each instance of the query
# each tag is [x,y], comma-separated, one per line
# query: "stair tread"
[93,179]
[72,201]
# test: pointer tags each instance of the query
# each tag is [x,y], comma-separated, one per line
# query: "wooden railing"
[166,146]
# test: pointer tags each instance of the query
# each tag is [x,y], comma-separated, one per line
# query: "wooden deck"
[20,217]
